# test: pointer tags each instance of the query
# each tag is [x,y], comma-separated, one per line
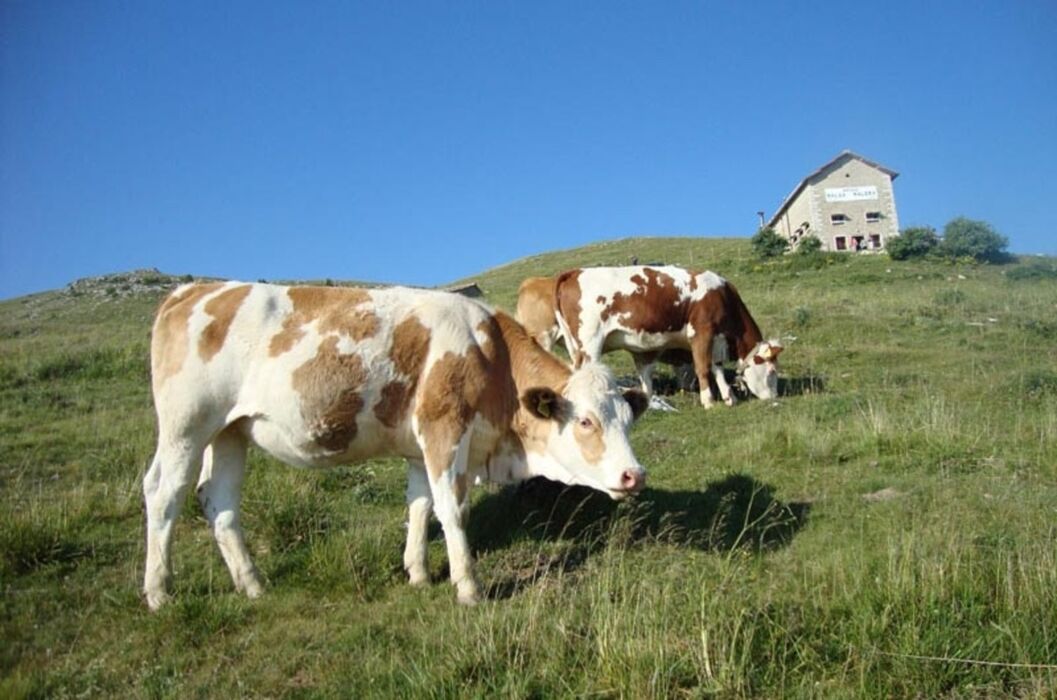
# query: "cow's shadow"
[670,383]
[799,386]
[731,513]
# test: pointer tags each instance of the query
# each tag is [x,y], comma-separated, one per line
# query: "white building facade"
[848,204]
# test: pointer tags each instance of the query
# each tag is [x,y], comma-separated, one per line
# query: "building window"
[839,219]
[875,241]
[840,243]
[873,217]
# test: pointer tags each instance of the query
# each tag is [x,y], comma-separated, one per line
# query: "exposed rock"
[885,494]
[126,284]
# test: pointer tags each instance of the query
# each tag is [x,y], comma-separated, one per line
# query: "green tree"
[913,242]
[768,244]
[964,237]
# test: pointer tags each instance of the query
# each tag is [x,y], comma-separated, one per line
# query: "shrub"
[768,244]
[1034,271]
[913,242]
[966,238]
[809,245]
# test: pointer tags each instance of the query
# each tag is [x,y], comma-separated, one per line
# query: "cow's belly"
[643,341]
[291,443]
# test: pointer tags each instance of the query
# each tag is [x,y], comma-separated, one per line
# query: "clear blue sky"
[423,142]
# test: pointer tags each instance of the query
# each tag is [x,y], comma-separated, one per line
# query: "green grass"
[753,566]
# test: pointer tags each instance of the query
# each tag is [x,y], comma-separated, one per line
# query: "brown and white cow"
[319,376]
[650,311]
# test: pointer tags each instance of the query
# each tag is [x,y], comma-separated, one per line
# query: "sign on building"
[850,194]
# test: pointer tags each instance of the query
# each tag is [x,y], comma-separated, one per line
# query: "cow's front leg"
[644,366]
[446,466]
[419,501]
[723,385]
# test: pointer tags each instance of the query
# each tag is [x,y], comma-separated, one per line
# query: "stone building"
[848,204]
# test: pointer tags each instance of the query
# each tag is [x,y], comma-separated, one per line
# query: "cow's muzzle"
[633,480]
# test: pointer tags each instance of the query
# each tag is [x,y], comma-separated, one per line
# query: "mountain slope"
[896,504]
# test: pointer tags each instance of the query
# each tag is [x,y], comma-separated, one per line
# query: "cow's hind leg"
[701,348]
[419,501]
[164,487]
[446,466]
[219,492]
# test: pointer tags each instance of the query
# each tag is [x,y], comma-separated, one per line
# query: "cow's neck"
[517,457]
[750,335]
[531,365]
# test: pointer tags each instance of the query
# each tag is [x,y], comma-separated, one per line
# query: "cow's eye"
[586,423]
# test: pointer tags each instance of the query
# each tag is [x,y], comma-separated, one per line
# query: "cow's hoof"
[468,600]
[252,587]
[468,594]
[156,599]
[418,577]
[731,401]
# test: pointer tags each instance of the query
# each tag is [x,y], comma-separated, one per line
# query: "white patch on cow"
[706,282]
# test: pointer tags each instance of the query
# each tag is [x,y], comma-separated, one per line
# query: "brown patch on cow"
[601,299]
[410,346]
[592,446]
[222,308]
[329,386]
[567,295]
[169,342]
[656,306]
[458,387]
[391,407]
[334,308]
[446,407]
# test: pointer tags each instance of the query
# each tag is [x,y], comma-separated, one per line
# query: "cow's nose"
[633,481]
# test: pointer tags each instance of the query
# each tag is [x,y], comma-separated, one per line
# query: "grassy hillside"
[886,530]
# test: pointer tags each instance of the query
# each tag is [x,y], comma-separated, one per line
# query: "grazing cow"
[666,310]
[535,309]
[320,376]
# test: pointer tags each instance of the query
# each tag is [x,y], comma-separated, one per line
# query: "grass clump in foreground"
[887,530]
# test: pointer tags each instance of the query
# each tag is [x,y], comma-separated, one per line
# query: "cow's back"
[634,307]
[317,374]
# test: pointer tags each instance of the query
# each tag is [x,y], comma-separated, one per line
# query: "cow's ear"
[769,352]
[638,401]
[542,402]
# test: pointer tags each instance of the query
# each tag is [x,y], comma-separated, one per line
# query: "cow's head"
[759,370]
[580,436]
